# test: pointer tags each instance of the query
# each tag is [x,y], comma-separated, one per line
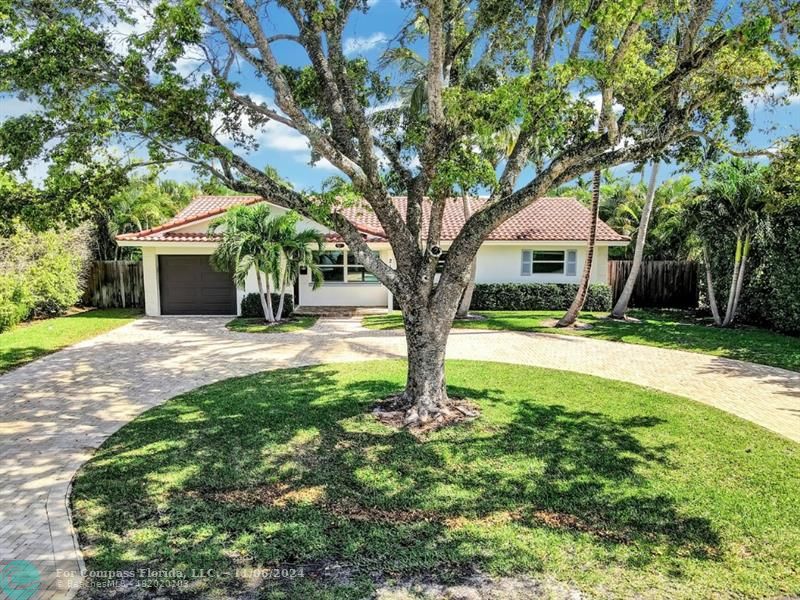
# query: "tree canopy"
[666,77]
[575,85]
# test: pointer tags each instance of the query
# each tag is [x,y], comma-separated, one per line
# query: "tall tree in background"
[575,308]
[673,79]
[733,198]
[621,306]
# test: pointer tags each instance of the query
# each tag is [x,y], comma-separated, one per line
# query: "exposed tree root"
[471,317]
[579,325]
[395,412]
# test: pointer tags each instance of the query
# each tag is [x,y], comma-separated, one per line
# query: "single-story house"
[544,243]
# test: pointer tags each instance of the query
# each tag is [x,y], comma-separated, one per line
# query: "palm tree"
[733,197]
[296,251]
[252,238]
[621,307]
[575,308]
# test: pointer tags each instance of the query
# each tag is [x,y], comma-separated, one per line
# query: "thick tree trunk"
[425,395]
[734,279]
[712,297]
[621,307]
[583,287]
[266,301]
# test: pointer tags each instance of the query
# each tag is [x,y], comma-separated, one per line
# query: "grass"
[29,341]
[665,329]
[247,325]
[611,488]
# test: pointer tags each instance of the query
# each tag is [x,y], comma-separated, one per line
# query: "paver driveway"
[55,411]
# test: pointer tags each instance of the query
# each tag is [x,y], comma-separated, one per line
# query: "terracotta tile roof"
[202,207]
[204,204]
[547,219]
[181,236]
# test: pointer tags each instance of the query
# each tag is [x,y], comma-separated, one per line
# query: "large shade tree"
[668,77]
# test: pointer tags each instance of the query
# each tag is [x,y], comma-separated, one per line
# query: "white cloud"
[192,61]
[11,106]
[778,94]
[121,32]
[359,45]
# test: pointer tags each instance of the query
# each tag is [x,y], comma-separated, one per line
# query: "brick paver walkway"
[55,411]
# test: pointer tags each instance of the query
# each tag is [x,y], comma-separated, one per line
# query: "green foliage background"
[40,273]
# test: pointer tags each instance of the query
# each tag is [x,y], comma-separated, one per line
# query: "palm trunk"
[740,278]
[621,307]
[466,298]
[266,302]
[712,297]
[583,287]
[734,279]
[281,289]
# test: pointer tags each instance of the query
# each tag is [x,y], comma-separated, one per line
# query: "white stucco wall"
[497,263]
[150,254]
[502,263]
[347,293]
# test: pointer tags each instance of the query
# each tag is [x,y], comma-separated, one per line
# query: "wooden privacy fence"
[114,284]
[660,284]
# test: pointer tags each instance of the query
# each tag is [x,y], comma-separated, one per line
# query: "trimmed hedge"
[251,305]
[538,296]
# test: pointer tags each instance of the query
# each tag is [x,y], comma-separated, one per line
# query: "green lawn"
[246,325]
[666,329]
[29,341]
[612,488]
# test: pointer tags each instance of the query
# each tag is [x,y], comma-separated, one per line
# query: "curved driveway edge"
[54,412]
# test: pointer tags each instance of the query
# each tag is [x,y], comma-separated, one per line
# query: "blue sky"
[367,35]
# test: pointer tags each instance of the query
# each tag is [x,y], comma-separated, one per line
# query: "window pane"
[358,274]
[548,267]
[548,255]
[334,257]
[332,273]
[526,262]
[440,262]
[572,263]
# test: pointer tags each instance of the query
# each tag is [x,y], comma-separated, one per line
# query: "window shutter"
[526,262]
[572,263]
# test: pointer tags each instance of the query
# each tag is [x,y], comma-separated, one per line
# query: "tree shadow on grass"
[289,468]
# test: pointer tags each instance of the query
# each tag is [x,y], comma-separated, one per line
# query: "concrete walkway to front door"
[55,411]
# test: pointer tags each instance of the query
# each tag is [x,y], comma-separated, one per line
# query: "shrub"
[538,296]
[16,301]
[771,294]
[251,305]
[48,266]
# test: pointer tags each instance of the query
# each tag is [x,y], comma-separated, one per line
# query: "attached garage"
[188,285]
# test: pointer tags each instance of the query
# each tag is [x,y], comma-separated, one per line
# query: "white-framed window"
[554,262]
[339,266]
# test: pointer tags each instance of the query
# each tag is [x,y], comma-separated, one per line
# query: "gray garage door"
[189,286]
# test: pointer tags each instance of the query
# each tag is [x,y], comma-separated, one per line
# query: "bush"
[251,305]
[41,273]
[771,293]
[16,301]
[538,296]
